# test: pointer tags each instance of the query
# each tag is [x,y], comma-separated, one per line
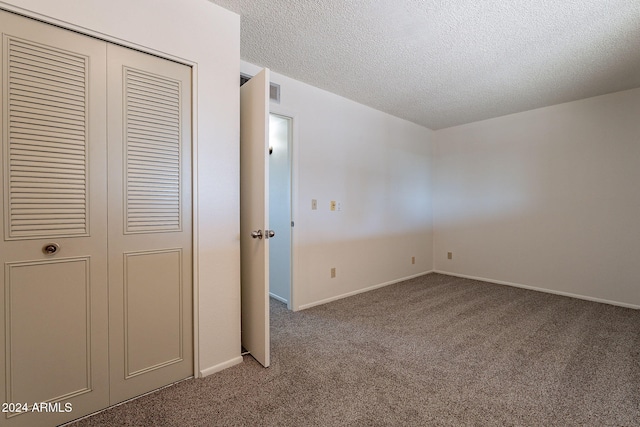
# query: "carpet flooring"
[431,351]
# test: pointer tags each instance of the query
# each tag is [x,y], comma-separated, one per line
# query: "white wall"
[208,36]
[379,168]
[548,198]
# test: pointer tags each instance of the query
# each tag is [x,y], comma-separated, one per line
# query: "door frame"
[293,170]
[194,143]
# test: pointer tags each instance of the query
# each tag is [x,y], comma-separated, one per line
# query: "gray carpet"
[435,350]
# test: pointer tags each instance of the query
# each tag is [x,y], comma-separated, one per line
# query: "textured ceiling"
[442,63]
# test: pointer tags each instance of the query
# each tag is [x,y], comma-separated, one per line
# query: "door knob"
[269,234]
[256,234]
[50,248]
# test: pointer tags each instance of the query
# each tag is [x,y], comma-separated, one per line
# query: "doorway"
[280,213]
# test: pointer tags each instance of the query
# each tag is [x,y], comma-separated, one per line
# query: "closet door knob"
[50,248]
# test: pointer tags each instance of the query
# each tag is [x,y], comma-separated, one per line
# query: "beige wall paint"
[209,37]
[548,198]
[379,168]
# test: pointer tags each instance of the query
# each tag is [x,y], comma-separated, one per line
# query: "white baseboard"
[359,291]
[274,296]
[533,288]
[221,366]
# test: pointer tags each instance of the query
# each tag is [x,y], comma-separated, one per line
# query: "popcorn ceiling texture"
[444,63]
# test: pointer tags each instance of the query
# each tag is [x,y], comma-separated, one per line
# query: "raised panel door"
[150,231]
[53,178]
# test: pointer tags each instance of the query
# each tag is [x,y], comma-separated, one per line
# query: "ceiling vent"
[274,89]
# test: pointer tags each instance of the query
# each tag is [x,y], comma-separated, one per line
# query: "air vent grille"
[274,92]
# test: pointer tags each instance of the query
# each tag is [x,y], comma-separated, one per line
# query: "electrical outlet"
[413,260]
[449,255]
[332,205]
[333,272]
[314,204]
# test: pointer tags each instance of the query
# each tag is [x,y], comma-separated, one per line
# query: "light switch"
[314,204]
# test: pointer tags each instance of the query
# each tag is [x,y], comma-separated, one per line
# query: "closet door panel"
[53,251]
[150,232]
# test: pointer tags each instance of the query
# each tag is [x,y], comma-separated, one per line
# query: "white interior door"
[254,215]
[53,253]
[150,285]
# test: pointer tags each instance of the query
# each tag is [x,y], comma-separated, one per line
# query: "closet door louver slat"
[45,141]
[152,134]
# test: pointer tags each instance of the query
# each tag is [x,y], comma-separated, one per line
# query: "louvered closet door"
[150,305]
[53,325]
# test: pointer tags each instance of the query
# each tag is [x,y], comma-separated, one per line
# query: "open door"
[254,215]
